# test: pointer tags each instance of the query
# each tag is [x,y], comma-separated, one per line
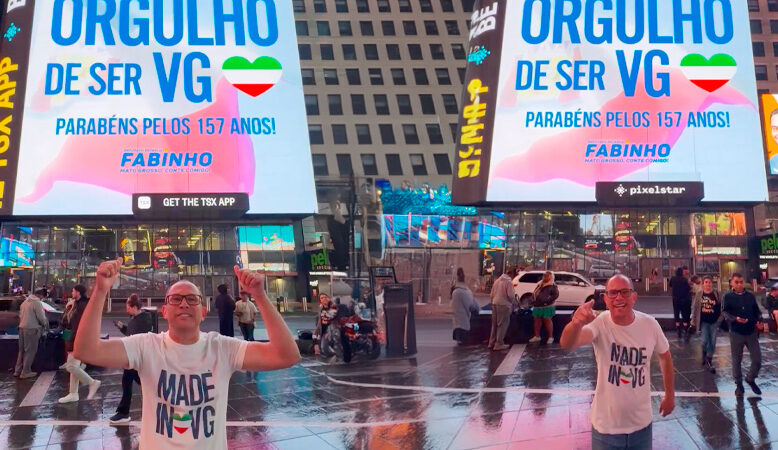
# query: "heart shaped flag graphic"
[709,74]
[181,423]
[252,78]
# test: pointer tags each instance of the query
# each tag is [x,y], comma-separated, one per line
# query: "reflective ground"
[447,397]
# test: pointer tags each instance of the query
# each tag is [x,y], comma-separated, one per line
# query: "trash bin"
[152,310]
[400,323]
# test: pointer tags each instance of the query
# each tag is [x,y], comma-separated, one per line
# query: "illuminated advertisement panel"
[159,97]
[562,95]
[770,126]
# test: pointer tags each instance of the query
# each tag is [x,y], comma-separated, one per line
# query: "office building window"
[349,52]
[431,27]
[461,72]
[775,49]
[773,26]
[344,28]
[772,5]
[387,27]
[362,6]
[381,104]
[756,26]
[330,76]
[442,163]
[393,164]
[312,105]
[433,131]
[320,164]
[450,104]
[326,52]
[315,134]
[776,73]
[411,136]
[371,52]
[443,78]
[308,78]
[387,134]
[341,6]
[436,51]
[335,105]
[761,72]
[383,6]
[363,134]
[427,105]
[344,164]
[415,51]
[358,104]
[417,164]
[459,51]
[454,128]
[352,75]
[319,6]
[305,51]
[398,77]
[323,28]
[409,27]
[301,27]
[467,5]
[426,5]
[339,134]
[298,6]
[405,5]
[420,75]
[452,28]
[758,48]
[393,52]
[753,5]
[447,5]
[366,28]
[376,79]
[404,104]
[369,164]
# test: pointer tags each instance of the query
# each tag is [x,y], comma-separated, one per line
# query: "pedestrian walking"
[741,311]
[184,372]
[682,302]
[706,317]
[225,305]
[463,306]
[624,341]
[73,365]
[246,311]
[771,304]
[32,325]
[140,322]
[502,298]
[544,296]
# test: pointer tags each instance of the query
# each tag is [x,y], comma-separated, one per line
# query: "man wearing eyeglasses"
[624,341]
[184,372]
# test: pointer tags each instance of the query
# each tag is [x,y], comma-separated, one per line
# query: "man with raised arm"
[185,373]
[624,341]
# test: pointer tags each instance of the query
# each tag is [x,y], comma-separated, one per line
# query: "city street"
[532,396]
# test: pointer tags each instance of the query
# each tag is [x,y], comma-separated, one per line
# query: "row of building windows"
[376,77]
[761,72]
[381,103]
[386,130]
[370,165]
[387,28]
[772,5]
[383,6]
[370,51]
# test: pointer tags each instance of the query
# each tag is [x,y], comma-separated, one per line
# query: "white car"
[574,289]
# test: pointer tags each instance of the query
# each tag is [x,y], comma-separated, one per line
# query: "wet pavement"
[446,397]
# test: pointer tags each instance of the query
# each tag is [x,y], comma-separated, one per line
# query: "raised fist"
[107,273]
[251,282]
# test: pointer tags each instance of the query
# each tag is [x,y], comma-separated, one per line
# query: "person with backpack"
[544,296]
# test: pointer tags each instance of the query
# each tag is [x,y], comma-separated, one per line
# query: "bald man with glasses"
[624,341]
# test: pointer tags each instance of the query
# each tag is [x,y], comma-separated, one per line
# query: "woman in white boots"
[73,366]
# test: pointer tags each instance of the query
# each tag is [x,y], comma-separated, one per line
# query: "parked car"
[772,281]
[9,314]
[602,271]
[574,289]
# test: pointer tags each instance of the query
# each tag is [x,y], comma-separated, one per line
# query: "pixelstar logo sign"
[648,194]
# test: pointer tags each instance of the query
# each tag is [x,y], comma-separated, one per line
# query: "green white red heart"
[709,74]
[181,423]
[253,78]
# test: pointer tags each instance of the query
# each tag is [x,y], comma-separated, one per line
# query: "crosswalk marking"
[508,364]
[38,390]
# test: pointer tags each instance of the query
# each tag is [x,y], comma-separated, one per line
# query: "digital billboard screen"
[114,98]
[770,126]
[562,94]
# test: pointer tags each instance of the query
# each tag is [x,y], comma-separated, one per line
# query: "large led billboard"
[114,98]
[770,126]
[563,94]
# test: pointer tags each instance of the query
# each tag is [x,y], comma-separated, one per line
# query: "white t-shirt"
[246,311]
[184,388]
[622,399]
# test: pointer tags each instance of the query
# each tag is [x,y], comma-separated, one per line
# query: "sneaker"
[68,398]
[28,375]
[709,365]
[739,390]
[535,339]
[119,418]
[754,387]
[63,366]
[499,347]
[93,387]
[549,341]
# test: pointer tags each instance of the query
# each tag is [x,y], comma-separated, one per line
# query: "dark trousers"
[682,310]
[128,378]
[226,327]
[737,341]
[248,331]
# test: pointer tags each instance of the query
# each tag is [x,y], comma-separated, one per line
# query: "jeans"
[77,374]
[129,377]
[737,341]
[501,318]
[682,310]
[28,347]
[248,330]
[709,332]
[638,440]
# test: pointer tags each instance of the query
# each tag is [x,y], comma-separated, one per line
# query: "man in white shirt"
[624,341]
[184,372]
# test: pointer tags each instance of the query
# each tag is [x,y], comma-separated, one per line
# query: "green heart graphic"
[709,73]
[252,78]
[719,59]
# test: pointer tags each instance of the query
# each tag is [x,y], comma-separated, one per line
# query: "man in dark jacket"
[139,323]
[682,302]
[225,304]
[771,304]
[742,312]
